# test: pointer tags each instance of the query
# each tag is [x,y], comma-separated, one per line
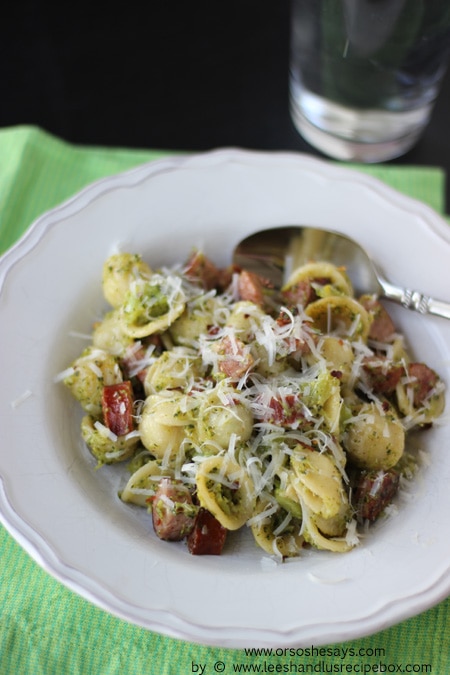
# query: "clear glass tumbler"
[364,74]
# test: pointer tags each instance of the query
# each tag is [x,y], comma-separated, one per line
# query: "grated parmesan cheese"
[105,432]
[21,399]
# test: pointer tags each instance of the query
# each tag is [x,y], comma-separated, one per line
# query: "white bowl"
[68,516]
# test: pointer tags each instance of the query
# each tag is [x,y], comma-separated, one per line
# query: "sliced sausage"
[235,361]
[374,492]
[250,287]
[296,346]
[383,376]
[382,327]
[425,381]
[117,407]
[207,536]
[173,512]
[301,293]
[200,269]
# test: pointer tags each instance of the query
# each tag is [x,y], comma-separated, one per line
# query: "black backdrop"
[164,74]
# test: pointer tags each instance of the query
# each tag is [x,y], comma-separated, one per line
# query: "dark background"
[164,75]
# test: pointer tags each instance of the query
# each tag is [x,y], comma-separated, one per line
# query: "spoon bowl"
[275,252]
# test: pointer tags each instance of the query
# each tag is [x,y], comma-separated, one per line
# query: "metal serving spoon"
[274,253]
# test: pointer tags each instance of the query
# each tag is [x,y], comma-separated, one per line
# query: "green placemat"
[48,630]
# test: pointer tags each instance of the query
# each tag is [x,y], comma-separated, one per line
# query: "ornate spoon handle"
[415,300]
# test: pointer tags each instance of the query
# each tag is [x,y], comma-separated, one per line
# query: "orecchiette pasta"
[375,438]
[324,276]
[105,447]
[318,482]
[87,376]
[159,438]
[109,335]
[338,355]
[239,405]
[277,532]
[195,321]
[151,305]
[143,482]
[119,271]
[177,368]
[225,490]
[341,315]
[221,416]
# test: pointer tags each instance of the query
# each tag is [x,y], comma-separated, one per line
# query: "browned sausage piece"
[305,291]
[383,376]
[426,380]
[172,510]
[250,287]
[203,271]
[235,362]
[207,536]
[297,346]
[301,293]
[382,327]
[374,492]
[117,407]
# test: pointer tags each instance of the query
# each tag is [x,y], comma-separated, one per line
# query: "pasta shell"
[225,490]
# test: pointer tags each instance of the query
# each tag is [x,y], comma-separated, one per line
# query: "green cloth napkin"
[48,630]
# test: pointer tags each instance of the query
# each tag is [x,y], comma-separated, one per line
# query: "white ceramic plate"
[68,516]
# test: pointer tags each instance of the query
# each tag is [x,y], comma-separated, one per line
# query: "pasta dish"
[235,404]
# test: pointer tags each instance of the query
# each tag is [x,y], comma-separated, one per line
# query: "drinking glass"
[364,74]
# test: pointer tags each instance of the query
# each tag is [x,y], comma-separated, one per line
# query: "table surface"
[186,77]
